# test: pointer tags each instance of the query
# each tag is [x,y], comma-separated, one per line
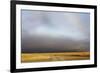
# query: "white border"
[20,65]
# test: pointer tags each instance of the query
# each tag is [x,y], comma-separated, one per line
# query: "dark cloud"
[49,44]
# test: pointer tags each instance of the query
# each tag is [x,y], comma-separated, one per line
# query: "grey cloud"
[75,26]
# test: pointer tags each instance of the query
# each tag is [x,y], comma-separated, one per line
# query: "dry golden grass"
[63,56]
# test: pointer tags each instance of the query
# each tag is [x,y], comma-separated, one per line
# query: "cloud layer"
[45,31]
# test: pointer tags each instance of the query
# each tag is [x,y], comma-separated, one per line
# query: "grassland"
[63,56]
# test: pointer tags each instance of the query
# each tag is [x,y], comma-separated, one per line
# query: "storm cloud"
[47,31]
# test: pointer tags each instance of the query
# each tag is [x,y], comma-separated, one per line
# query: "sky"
[54,31]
